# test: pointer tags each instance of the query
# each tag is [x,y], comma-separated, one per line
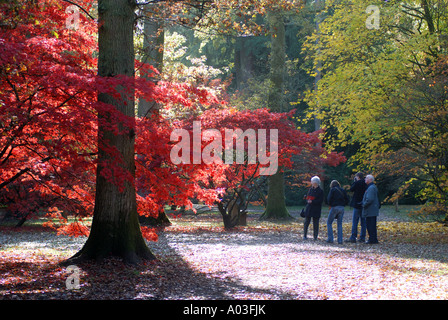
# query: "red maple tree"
[47,119]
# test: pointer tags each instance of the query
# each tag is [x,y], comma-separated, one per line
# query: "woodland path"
[199,260]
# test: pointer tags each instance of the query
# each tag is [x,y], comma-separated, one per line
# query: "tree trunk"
[319,5]
[243,62]
[276,205]
[162,220]
[230,214]
[277,61]
[152,53]
[115,227]
[428,16]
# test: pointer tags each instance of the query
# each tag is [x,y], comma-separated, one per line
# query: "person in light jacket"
[314,198]
[371,209]
[337,199]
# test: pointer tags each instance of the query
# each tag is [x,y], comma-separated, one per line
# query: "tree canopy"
[384,90]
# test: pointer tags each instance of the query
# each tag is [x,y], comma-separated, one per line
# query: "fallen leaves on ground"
[198,259]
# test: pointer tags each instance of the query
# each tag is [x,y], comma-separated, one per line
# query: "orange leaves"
[149,233]
[74,229]
[413,232]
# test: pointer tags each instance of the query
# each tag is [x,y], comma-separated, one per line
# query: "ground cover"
[198,259]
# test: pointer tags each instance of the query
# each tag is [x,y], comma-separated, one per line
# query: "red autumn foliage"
[49,125]
[167,183]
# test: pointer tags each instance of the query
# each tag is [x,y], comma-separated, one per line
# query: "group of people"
[365,205]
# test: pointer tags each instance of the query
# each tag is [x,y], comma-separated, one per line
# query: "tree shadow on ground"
[168,278]
[172,277]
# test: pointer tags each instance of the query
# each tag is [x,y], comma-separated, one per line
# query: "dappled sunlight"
[201,260]
[275,258]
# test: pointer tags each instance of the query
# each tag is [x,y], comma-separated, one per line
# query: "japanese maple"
[167,183]
[47,119]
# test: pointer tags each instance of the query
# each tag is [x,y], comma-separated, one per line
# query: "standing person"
[314,198]
[371,209]
[358,188]
[337,199]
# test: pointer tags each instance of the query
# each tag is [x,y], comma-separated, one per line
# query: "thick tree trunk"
[152,53]
[276,205]
[115,227]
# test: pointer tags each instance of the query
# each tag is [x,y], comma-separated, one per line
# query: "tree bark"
[115,227]
[276,205]
[243,62]
[319,5]
[277,61]
[231,214]
[152,53]
[428,16]
[162,220]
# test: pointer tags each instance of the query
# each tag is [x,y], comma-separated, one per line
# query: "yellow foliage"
[413,232]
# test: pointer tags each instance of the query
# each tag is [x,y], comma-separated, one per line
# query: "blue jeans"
[357,215]
[335,213]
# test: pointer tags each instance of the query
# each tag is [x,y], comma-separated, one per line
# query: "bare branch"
[80,7]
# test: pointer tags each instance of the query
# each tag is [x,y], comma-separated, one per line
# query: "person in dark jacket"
[314,198]
[358,188]
[337,199]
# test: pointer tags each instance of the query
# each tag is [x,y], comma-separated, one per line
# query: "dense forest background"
[368,81]
[240,66]
[331,41]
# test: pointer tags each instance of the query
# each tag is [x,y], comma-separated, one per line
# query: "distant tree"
[276,205]
[381,90]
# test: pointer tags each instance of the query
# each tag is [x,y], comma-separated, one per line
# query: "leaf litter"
[260,261]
